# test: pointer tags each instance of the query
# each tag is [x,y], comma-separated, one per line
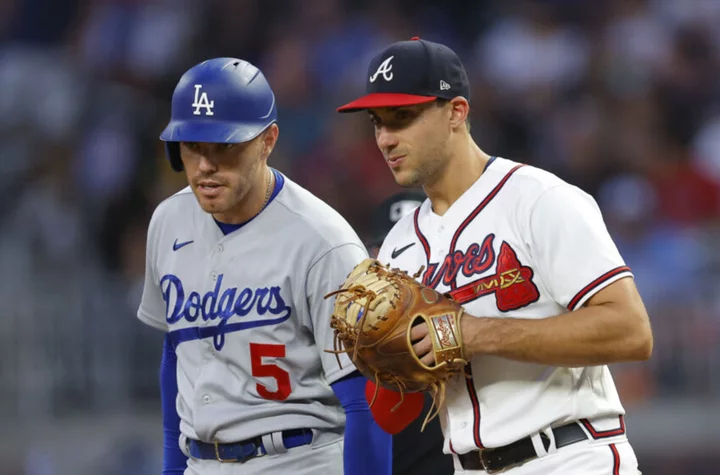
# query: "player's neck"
[463,169]
[253,202]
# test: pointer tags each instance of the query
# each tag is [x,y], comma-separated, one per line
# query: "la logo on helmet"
[202,102]
[385,69]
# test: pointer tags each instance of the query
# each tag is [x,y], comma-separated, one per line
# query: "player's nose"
[206,164]
[386,140]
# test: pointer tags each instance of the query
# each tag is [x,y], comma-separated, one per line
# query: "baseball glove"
[375,309]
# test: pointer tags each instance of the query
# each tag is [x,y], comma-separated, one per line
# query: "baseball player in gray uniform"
[238,264]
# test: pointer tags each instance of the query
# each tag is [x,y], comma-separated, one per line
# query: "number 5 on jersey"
[260,370]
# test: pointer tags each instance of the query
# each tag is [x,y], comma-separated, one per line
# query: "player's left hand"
[422,343]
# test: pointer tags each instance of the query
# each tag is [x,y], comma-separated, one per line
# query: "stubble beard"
[231,198]
[424,173]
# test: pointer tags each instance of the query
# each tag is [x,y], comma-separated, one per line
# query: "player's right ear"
[460,108]
[269,138]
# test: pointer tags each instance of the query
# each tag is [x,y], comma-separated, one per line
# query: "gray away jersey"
[247,315]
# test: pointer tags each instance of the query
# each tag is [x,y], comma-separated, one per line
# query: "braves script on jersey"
[518,243]
[247,315]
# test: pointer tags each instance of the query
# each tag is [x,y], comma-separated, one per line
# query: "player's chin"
[405,178]
[211,202]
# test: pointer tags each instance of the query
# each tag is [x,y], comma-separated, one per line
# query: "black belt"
[246,449]
[498,459]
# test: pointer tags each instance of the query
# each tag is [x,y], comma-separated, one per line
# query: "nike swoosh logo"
[397,252]
[178,245]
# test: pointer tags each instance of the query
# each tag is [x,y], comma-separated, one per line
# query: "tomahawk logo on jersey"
[494,253]
[512,282]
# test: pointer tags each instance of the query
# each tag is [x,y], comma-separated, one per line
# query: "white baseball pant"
[589,457]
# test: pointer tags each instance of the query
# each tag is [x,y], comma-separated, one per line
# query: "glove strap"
[447,338]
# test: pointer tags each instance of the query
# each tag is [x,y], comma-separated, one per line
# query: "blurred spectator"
[136,40]
[664,259]
[706,150]
[532,54]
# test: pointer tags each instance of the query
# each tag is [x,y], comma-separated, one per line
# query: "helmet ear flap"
[172,150]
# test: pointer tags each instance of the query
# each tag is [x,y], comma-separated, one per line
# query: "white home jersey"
[247,315]
[520,243]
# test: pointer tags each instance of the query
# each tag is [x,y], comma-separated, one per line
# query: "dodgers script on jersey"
[520,243]
[247,315]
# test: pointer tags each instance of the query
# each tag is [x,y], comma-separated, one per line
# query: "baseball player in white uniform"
[549,301]
[238,264]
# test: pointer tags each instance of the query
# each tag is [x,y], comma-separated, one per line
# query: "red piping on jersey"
[596,283]
[463,225]
[470,384]
[421,237]
[481,206]
[603,434]
[616,459]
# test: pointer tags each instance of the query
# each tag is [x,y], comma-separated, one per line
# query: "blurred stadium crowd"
[620,97]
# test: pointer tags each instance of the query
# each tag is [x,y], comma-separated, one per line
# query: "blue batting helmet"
[221,100]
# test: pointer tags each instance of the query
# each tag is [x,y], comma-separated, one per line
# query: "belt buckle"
[220,459]
[487,469]
[491,471]
[484,465]
[258,453]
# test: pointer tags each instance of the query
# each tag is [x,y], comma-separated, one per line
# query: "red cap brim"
[385,99]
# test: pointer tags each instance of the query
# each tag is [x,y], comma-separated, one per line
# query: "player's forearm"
[361,430]
[174,461]
[597,335]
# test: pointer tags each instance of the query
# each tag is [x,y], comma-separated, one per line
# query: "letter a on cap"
[385,69]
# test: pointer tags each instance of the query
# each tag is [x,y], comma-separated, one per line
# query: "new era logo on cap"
[412,72]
